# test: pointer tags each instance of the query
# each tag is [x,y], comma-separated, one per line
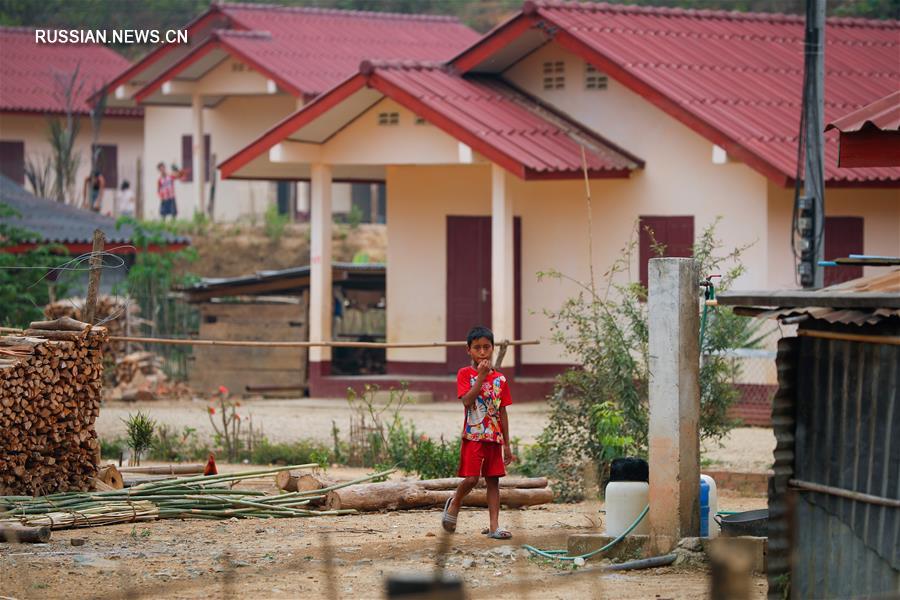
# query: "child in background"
[485,449]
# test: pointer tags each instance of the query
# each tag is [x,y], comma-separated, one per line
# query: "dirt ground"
[744,449]
[331,557]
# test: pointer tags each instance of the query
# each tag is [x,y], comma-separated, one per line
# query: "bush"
[600,410]
[275,223]
[297,453]
[171,446]
[112,449]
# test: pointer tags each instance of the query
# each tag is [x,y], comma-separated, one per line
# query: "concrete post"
[198,166]
[321,297]
[674,401]
[502,266]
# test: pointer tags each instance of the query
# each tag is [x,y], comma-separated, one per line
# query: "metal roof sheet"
[54,222]
[542,141]
[31,73]
[311,49]
[741,73]
[881,115]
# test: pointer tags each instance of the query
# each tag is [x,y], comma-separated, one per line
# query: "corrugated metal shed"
[29,72]
[54,222]
[736,78]
[834,501]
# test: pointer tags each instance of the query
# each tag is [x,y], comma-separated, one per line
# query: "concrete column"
[674,401]
[198,168]
[321,301]
[502,267]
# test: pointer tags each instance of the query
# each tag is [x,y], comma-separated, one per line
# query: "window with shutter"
[664,237]
[187,156]
[12,160]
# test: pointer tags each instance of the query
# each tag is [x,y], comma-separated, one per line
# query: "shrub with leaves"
[28,281]
[139,431]
[600,410]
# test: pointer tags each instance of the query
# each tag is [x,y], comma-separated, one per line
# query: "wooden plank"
[817,298]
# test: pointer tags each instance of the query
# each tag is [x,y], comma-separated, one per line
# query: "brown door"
[469,281]
[843,237]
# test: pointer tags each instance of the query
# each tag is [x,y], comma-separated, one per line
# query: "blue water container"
[704,509]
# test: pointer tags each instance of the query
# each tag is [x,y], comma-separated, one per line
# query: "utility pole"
[811,206]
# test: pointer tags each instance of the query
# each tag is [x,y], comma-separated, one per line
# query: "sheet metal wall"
[847,436]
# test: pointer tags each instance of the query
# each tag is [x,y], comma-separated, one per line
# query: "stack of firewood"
[50,387]
[112,311]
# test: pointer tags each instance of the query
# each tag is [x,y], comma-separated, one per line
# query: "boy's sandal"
[448,521]
[499,534]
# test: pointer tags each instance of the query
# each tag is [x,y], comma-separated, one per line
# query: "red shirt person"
[485,449]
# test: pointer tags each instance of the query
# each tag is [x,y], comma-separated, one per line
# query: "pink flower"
[223,390]
[211,410]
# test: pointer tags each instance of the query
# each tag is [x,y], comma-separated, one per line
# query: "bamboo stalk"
[328,344]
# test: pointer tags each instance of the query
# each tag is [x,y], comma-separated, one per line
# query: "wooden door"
[469,281]
[843,237]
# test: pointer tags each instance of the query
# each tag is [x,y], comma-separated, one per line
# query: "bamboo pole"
[328,344]
[891,340]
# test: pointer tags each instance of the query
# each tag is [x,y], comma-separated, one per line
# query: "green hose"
[561,554]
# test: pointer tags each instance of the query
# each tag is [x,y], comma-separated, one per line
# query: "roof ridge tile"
[702,13]
[336,12]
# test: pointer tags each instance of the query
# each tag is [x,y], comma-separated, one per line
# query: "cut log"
[111,476]
[451,483]
[401,495]
[14,532]
[295,481]
[60,324]
[185,469]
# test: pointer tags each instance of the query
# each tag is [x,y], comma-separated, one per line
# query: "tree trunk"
[400,495]
[13,532]
[451,483]
[111,476]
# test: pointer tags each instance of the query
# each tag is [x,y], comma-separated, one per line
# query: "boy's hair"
[479,332]
[161,164]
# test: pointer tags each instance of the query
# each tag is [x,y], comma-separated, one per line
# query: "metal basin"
[751,522]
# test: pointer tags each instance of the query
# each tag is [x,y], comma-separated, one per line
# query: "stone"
[694,544]
[467,563]
[77,541]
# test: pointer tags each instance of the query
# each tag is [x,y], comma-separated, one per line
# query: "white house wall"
[879,208]
[231,125]
[679,178]
[125,133]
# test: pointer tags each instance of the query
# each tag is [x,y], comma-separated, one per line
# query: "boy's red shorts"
[481,459]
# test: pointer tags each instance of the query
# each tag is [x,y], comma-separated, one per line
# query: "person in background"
[125,200]
[94,185]
[165,187]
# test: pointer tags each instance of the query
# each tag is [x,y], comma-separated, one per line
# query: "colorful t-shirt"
[482,421]
[165,186]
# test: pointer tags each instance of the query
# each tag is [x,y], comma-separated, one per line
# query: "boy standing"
[485,449]
[165,187]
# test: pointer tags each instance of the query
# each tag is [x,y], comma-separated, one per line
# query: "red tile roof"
[881,115]
[735,78]
[29,72]
[503,124]
[311,50]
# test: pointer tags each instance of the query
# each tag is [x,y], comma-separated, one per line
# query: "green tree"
[27,279]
